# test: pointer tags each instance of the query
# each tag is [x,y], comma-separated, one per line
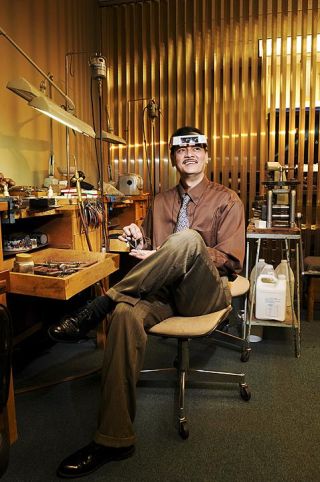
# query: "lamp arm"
[71,106]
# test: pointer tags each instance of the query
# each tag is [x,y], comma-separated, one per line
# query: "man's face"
[190,159]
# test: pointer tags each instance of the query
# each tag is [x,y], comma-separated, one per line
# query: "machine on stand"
[281,197]
[278,207]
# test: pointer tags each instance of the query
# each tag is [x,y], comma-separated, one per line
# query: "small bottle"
[23,263]
[6,190]
[50,192]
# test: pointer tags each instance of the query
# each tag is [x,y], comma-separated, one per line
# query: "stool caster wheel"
[183,429]
[245,355]
[245,392]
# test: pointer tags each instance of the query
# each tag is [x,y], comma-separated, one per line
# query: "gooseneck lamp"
[39,101]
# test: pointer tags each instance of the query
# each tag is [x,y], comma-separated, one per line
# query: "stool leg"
[183,365]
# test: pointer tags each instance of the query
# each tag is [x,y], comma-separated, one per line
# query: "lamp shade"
[111,138]
[48,107]
[24,89]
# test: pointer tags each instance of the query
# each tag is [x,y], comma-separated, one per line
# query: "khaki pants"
[179,278]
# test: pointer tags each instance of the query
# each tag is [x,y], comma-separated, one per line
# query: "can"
[23,263]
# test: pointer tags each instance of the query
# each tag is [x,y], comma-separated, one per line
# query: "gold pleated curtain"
[246,72]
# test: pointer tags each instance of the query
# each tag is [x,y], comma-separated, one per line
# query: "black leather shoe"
[90,458]
[74,328]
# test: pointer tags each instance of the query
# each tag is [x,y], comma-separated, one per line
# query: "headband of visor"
[188,140]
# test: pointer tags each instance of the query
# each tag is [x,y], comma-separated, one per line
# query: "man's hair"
[184,131]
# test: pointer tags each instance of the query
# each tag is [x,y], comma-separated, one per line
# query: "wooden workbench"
[62,225]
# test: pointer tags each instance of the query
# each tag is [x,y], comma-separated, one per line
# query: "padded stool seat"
[190,326]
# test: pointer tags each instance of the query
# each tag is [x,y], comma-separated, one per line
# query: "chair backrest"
[239,287]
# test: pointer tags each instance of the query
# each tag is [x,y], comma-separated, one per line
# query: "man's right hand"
[132,234]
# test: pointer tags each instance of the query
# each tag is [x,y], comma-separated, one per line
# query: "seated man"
[197,245]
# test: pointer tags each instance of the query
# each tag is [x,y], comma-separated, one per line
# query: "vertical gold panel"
[184,62]
[155,89]
[244,96]
[187,72]
[198,65]
[264,75]
[303,17]
[129,85]
[312,101]
[146,59]
[235,97]
[207,66]
[254,109]
[293,135]
[173,61]
[283,82]
[226,94]
[164,160]
[136,50]
[215,112]
[274,85]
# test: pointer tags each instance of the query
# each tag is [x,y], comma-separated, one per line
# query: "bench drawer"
[100,265]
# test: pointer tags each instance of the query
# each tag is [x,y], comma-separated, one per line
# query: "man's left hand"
[141,253]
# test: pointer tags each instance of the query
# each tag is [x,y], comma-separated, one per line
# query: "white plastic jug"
[282,268]
[271,297]
[256,270]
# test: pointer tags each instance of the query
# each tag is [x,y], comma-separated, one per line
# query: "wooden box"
[63,288]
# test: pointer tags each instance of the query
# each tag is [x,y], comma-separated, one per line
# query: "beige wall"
[46,30]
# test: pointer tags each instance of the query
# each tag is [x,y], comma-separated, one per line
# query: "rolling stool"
[184,329]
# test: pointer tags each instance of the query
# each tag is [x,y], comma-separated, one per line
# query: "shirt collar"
[196,192]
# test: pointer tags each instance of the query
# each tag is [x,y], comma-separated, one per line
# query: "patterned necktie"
[183,221]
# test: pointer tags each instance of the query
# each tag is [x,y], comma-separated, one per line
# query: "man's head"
[188,151]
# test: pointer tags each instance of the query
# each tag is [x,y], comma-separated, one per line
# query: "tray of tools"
[62,273]
[60,269]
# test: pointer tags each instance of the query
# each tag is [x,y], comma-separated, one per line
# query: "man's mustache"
[189,159]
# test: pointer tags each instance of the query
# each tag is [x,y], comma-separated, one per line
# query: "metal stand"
[284,236]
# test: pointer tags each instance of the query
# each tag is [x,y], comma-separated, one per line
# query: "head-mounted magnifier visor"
[189,140]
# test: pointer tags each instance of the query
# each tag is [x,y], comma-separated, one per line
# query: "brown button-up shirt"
[215,211]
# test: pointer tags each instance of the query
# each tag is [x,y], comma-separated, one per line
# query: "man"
[197,244]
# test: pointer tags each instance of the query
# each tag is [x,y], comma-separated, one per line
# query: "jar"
[23,263]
